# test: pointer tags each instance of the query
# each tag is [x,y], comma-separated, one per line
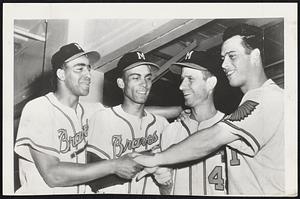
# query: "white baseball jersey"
[52,128]
[115,133]
[206,176]
[257,165]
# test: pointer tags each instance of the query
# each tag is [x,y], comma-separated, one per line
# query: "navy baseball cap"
[70,52]
[198,60]
[134,59]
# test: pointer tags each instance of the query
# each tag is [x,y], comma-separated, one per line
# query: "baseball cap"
[198,60]
[134,59]
[70,52]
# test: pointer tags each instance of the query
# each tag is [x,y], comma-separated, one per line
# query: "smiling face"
[136,84]
[236,61]
[77,76]
[193,87]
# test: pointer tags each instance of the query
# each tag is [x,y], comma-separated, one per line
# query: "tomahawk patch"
[243,111]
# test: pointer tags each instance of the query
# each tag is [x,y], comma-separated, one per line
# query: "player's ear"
[211,82]
[120,83]
[255,55]
[60,73]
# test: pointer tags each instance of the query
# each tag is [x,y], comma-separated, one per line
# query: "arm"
[60,174]
[168,112]
[194,147]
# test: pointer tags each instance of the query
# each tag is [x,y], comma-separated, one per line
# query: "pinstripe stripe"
[175,175]
[146,147]
[190,180]
[244,131]
[204,177]
[40,146]
[226,170]
[144,185]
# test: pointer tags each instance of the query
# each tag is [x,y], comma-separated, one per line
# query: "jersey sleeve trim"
[24,141]
[244,134]
[97,151]
[186,127]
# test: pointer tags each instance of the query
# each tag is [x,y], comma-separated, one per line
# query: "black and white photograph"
[150,99]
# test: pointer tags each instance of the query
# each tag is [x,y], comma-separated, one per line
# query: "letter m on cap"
[140,55]
[77,45]
[188,55]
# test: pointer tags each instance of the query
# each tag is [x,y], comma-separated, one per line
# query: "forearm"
[69,174]
[194,147]
[168,112]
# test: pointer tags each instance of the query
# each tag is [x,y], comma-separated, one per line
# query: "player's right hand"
[126,167]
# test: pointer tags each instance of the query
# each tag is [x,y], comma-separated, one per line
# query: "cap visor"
[154,67]
[177,67]
[93,56]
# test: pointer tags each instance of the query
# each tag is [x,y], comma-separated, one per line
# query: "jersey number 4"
[215,177]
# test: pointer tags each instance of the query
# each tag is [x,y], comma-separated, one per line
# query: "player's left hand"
[183,115]
[147,160]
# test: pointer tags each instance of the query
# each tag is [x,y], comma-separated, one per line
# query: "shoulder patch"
[243,111]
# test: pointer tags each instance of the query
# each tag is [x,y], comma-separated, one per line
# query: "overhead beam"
[164,68]
[217,39]
[151,41]
[29,35]
[161,55]
[211,42]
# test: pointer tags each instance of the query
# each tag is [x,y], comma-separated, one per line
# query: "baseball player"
[203,176]
[254,131]
[53,132]
[128,127]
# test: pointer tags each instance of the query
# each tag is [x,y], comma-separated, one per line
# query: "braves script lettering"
[119,148]
[66,142]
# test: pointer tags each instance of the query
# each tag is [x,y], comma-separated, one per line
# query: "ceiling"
[206,35]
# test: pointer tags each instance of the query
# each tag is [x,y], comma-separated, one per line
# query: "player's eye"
[149,78]
[190,79]
[78,68]
[135,77]
[232,56]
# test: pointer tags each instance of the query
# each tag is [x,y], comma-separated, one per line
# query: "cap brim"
[177,67]
[93,56]
[154,67]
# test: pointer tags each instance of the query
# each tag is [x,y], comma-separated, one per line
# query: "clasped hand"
[162,175]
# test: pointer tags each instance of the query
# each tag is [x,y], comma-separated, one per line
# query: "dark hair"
[252,36]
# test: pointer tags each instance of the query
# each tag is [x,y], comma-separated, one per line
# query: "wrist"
[113,166]
[158,160]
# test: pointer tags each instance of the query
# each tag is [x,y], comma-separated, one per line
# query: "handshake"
[133,165]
